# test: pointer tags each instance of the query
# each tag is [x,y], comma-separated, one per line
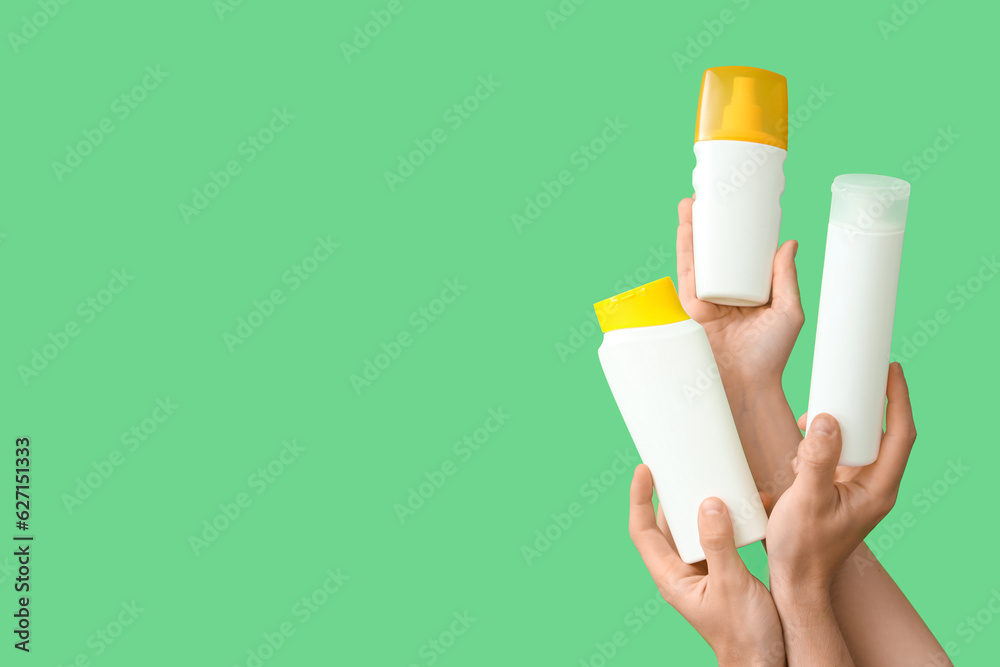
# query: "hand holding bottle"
[751,344]
[820,520]
[726,604]
[823,517]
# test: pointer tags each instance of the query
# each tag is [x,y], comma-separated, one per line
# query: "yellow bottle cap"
[743,104]
[645,306]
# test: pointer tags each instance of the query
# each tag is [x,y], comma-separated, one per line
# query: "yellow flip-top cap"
[645,306]
[743,104]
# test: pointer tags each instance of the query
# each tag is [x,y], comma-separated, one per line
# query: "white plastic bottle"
[864,246]
[660,367]
[740,145]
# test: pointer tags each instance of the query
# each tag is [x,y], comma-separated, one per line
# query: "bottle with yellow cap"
[660,367]
[741,138]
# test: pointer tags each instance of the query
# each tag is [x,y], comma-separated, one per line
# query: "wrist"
[753,651]
[744,646]
[802,600]
[742,380]
[752,395]
[757,656]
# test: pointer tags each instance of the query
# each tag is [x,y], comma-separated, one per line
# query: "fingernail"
[712,506]
[795,250]
[822,425]
[901,369]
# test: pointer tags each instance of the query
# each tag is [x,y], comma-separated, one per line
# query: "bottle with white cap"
[857,303]
[741,139]
[660,367]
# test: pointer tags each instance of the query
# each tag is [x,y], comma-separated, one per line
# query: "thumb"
[785,279]
[818,455]
[715,532]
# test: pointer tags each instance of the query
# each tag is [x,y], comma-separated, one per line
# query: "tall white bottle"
[659,365]
[857,303]
[740,142]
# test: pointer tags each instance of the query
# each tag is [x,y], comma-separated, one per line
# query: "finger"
[785,282]
[818,455]
[655,550]
[715,531]
[685,252]
[883,476]
[803,420]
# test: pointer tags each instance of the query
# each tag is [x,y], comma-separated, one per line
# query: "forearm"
[812,635]
[864,598]
[767,429]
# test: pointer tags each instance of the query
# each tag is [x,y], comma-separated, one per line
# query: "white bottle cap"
[869,203]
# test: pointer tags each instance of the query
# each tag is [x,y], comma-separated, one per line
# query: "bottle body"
[854,336]
[666,383]
[737,219]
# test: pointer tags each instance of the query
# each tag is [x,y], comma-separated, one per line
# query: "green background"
[518,338]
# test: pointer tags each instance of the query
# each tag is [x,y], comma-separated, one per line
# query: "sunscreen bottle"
[741,138]
[655,359]
[857,302]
